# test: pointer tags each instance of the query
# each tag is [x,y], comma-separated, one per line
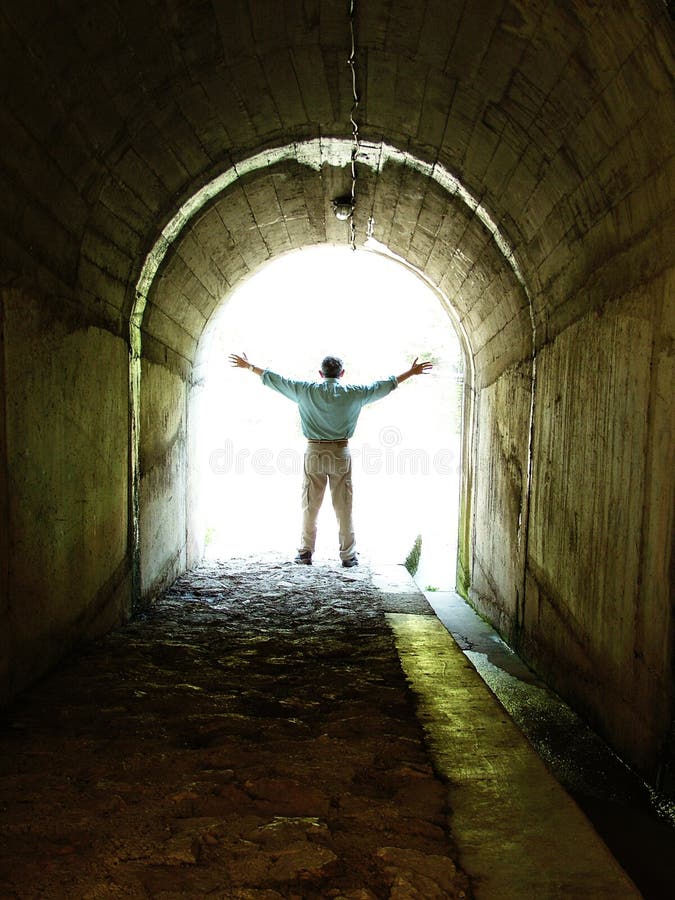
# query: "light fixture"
[351,62]
[343,207]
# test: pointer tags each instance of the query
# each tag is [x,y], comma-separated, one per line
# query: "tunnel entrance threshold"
[407,447]
[254,731]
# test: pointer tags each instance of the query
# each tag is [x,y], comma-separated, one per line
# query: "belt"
[342,442]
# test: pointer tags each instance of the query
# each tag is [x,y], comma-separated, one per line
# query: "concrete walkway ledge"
[519,833]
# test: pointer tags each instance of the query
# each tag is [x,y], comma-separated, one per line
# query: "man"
[329,411]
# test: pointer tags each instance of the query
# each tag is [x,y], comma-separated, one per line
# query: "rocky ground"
[251,736]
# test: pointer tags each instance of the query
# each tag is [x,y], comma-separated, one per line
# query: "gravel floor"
[250,736]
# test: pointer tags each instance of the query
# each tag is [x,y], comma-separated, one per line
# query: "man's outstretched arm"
[241,362]
[289,387]
[416,368]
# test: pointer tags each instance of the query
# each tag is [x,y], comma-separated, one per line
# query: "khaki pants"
[328,461]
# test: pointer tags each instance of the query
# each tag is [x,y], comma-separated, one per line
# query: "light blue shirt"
[328,410]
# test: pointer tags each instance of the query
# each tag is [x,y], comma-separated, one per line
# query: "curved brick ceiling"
[558,117]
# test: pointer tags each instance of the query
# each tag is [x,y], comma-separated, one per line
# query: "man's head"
[331,367]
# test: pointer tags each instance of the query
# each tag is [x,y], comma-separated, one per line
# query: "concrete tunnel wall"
[550,235]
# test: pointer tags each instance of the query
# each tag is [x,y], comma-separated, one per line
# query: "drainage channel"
[636,823]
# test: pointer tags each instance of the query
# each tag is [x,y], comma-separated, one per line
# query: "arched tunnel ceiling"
[287,205]
[557,116]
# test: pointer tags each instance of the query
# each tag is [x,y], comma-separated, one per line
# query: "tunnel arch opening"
[407,449]
[558,124]
[261,208]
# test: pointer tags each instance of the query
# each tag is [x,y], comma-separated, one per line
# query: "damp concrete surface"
[636,822]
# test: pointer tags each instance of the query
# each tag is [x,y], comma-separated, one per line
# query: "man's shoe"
[352,561]
[304,558]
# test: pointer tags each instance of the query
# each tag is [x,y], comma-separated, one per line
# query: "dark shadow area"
[251,734]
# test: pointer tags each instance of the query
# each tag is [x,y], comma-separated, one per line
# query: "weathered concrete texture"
[164,468]
[284,206]
[557,120]
[500,467]
[67,464]
[517,830]
[252,737]
[4,509]
[551,121]
[594,619]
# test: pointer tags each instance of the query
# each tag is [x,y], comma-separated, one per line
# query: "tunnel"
[517,155]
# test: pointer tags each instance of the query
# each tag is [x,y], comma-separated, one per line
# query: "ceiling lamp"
[343,207]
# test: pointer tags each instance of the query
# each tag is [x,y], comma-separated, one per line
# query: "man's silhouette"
[329,412]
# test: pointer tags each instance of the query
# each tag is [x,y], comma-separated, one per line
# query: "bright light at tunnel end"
[406,455]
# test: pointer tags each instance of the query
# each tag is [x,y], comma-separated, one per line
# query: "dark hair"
[331,367]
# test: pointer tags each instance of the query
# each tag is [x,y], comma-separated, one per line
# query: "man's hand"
[241,362]
[420,368]
[417,368]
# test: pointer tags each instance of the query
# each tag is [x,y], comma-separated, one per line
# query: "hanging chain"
[352,117]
